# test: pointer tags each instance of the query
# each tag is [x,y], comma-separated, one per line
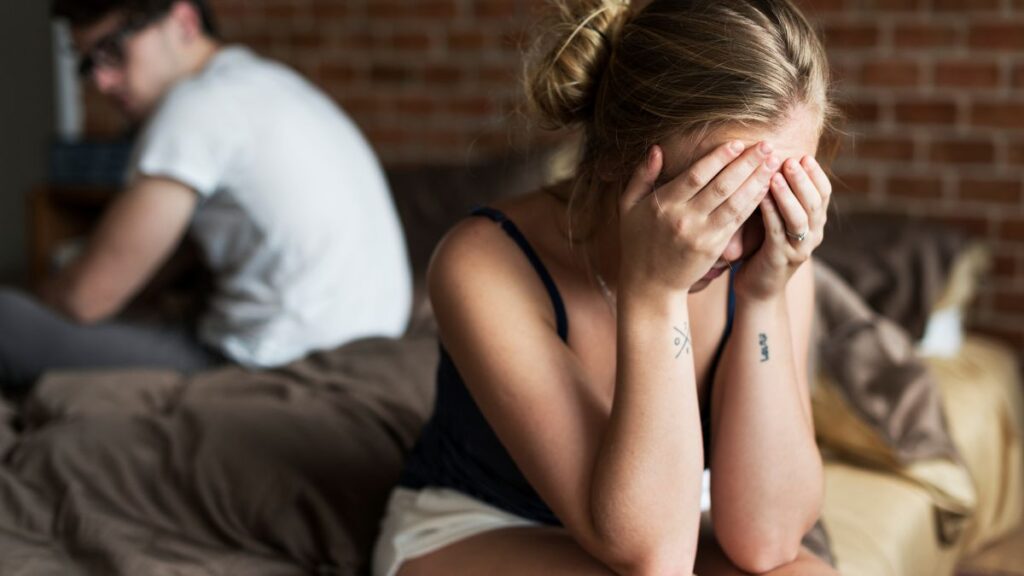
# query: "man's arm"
[137,233]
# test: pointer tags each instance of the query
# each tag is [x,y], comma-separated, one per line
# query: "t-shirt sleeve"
[190,139]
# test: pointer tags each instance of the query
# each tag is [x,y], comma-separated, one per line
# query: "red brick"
[926,111]
[891,73]
[341,72]
[361,106]
[466,40]
[975,226]
[914,187]
[1018,75]
[861,110]
[1015,152]
[498,75]
[851,183]
[1009,301]
[1012,229]
[932,35]
[991,190]
[845,72]
[997,36]
[305,40]
[410,41]
[495,8]
[892,5]
[392,73]
[392,9]
[472,107]
[1014,338]
[962,152]
[998,114]
[965,5]
[386,136]
[331,10]
[359,41]
[445,74]
[1006,264]
[844,36]
[279,12]
[258,39]
[415,105]
[815,7]
[884,148]
[967,74]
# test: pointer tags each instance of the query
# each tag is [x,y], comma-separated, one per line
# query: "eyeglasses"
[108,51]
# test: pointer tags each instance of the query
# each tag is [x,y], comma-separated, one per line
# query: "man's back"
[295,217]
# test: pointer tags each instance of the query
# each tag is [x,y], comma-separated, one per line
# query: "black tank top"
[457,448]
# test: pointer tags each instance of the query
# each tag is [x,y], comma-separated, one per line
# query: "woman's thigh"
[522,551]
[526,551]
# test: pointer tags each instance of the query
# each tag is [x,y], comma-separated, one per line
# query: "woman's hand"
[670,236]
[794,221]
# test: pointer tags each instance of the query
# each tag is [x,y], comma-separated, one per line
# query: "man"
[282,194]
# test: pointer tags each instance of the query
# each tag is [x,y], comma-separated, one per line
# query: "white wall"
[26,118]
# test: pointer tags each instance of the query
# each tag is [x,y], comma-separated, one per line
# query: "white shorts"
[418,522]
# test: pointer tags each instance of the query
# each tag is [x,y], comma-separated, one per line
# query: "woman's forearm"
[767,480]
[645,494]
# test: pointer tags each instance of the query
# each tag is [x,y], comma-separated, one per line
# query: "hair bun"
[562,79]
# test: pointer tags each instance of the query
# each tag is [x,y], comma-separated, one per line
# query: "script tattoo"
[682,339]
[762,339]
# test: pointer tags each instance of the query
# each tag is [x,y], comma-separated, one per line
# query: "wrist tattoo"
[762,339]
[682,339]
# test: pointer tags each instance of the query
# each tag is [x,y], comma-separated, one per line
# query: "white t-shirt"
[295,217]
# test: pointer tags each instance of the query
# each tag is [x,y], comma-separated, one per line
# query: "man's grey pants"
[34,339]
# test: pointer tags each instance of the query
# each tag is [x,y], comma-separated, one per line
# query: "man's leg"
[34,338]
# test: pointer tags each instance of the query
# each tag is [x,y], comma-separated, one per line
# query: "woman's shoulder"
[477,260]
[481,240]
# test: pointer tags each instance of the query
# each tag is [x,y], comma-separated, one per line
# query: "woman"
[615,334]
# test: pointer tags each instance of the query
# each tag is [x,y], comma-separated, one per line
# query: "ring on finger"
[798,237]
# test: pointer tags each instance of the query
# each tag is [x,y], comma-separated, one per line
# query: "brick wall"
[935,94]
[427,80]
[934,90]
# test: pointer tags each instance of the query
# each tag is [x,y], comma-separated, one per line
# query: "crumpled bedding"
[899,265]
[227,472]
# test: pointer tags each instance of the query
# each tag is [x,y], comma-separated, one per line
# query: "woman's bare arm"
[766,485]
[623,475]
[624,481]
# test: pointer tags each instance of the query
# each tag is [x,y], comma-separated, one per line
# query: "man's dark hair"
[86,12]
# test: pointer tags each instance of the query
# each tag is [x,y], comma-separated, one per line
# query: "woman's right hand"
[671,236]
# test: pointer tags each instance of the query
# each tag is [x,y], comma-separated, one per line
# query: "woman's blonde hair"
[634,76]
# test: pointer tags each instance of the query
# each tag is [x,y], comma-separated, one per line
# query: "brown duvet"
[227,472]
[287,471]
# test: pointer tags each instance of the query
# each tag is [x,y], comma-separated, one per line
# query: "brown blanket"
[228,472]
[899,265]
[874,366]
[287,471]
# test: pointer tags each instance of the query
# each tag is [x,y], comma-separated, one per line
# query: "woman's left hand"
[794,217]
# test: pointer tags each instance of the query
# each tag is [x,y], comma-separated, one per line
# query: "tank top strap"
[731,311]
[561,319]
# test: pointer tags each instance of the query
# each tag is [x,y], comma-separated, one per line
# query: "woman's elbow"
[668,566]
[761,553]
[661,559]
